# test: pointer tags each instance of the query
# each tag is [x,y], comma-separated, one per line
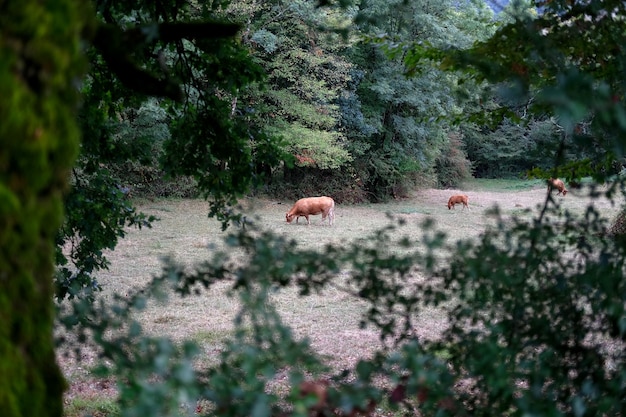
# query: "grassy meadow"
[330,320]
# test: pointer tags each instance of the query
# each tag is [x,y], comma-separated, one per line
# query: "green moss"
[40,59]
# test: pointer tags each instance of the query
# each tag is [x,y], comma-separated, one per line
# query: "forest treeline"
[330,98]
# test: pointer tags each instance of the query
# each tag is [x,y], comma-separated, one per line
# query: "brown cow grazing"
[558,184]
[306,207]
[458,199]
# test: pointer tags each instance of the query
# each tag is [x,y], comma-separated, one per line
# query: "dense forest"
[330,96]
[106,100]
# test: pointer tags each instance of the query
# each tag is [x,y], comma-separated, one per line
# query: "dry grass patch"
[330,320]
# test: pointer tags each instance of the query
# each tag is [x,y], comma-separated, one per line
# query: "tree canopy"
[554,67]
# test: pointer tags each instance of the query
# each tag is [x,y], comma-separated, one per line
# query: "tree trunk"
[39,64]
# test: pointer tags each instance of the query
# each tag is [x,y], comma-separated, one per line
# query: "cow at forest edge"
[458,199]
[555,183]
[310,206]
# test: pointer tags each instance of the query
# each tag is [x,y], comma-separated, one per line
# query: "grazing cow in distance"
[555,183]
[308,206]
[458,199]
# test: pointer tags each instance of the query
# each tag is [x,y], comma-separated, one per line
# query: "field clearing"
[329,321]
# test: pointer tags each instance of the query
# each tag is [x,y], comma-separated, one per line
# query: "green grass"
[96,407]
[502,185]
[205,337]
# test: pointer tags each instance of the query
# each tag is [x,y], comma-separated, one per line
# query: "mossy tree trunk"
[40,64]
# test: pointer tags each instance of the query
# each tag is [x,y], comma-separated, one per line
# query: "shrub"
[343,185]
[452,165]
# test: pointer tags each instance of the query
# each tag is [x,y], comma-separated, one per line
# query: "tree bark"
[40,63]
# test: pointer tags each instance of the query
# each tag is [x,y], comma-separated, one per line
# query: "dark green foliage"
[539,318]
[352,118]
[99,208]
[98,212]
[512,148]
[397,125]
[133,145]
[452,166]
[554,67]
[343,185]
[213,151]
